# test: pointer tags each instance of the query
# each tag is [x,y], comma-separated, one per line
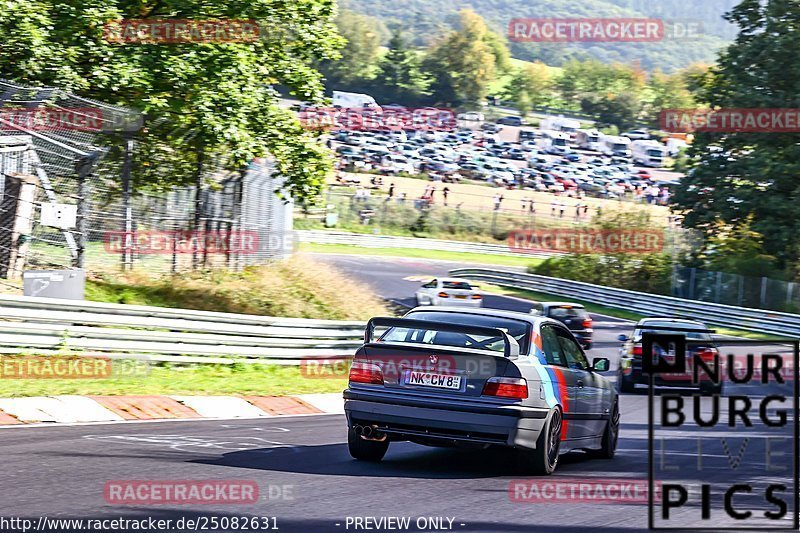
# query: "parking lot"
[510,157]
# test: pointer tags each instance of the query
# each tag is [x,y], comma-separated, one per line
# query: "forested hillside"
[428,20]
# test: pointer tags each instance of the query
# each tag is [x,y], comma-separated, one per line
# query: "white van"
[649,153]
[589,140]
[615,145]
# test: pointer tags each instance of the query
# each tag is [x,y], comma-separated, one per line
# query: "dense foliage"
[201,99]
[426,20]
[747,183]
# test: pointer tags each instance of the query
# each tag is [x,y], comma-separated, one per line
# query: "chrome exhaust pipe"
[373,433]
[358,430]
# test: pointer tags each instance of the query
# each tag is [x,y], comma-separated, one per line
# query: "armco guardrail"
[758,320]
[40,325]
[392,241]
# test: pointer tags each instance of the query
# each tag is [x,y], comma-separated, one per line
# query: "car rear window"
[568,312]
[680,329]
[518,329]
[462,285]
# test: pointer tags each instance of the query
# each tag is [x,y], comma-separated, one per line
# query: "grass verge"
[298,287]
[461,257]
[163,378]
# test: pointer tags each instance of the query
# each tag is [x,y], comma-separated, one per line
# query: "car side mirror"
[623,338]
[600,364]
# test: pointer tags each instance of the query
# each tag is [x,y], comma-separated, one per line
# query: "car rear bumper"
[457,302]
[411,418]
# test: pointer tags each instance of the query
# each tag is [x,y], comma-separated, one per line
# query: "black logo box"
[678,365]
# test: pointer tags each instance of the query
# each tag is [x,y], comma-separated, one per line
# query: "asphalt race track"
[309,483]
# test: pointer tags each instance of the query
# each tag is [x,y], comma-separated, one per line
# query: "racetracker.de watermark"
[731,120]
[580,490]
[586,241]
[381,119]
[602,30]
[181,492]
[180,31]
[86,119]
[70,367]
[182,242]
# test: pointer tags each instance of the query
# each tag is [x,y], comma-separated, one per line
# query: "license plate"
[461,297]
[428,379]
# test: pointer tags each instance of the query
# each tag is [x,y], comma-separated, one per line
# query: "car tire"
[371,451]
[544,459]
[625,385]
[610,436]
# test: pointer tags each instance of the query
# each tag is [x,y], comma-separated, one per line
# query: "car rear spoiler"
[510,344]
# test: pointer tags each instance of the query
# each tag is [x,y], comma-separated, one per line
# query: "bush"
[644,273]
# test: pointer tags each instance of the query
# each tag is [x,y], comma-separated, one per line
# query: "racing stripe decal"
[562,393]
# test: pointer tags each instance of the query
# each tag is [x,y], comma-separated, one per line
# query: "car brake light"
[365,373]
[587,323]
[476,296]
[707,354]
[443,295]
[506,387]
[637,350]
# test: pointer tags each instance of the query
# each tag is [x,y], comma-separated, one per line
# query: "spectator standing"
[665,196]
[445,192]
[496,201]
[391,191]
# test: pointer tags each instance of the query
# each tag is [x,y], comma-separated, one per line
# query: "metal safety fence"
[49,325]
[742,318]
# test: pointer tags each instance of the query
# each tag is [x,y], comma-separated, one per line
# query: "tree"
[399,76]
[666,91]
[466,61]
[621,110]
[581,78]
[736,248]
[529,87]
[359,56]
[751,176]
[200,99]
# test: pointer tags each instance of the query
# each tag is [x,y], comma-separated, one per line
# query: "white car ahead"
[450,292]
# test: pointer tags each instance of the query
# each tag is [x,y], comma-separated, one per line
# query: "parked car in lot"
[491,128]
[511,120]
[574,316]
[636,135]
[450,292]
[476,378]
[699,345]
[472,116]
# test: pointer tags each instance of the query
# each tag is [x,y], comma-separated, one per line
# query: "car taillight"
[476,296]
[707,354]
[587,323]
[443,295]
[506,388]
[637,350]
[365,373]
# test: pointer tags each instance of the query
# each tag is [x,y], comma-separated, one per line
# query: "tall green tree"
[216,98]
[466,61]
[530,86]
[751,176]
[358,60]
[666,91]
[400,78]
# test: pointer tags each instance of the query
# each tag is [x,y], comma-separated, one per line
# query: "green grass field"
[162,378]
[461,257]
